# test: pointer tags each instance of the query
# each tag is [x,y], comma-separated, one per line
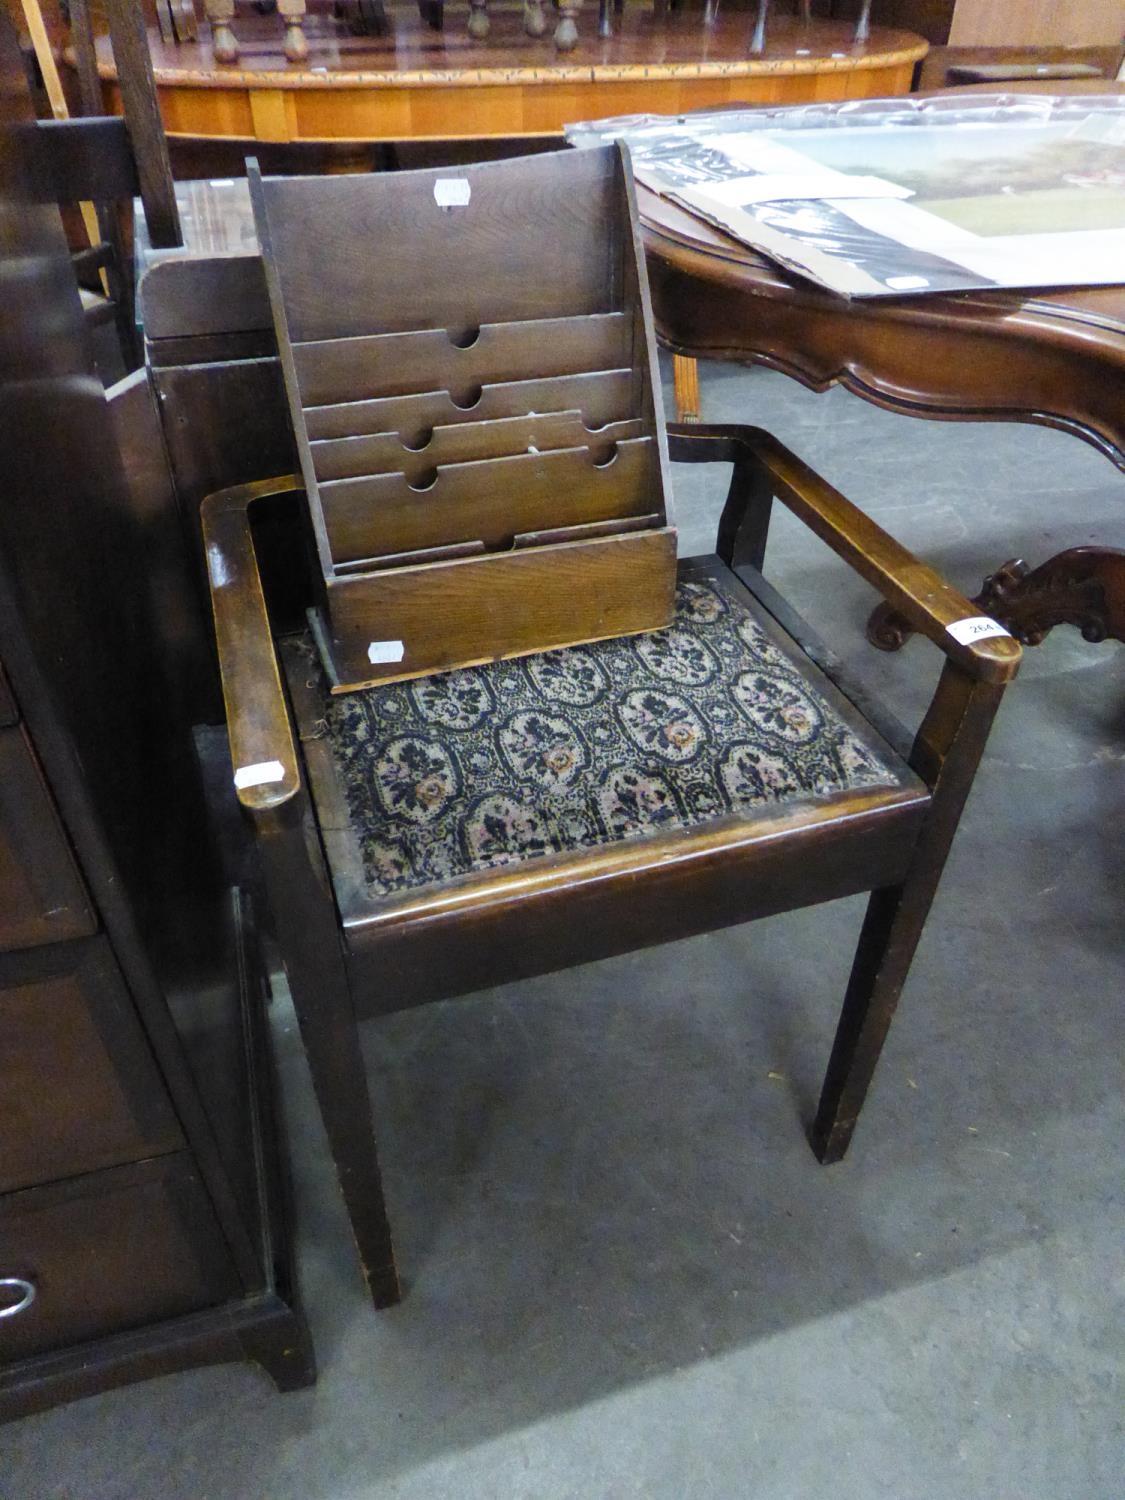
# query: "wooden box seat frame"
[349,958]
[469,363]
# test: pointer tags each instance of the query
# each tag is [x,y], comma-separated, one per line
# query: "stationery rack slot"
[617,526]
[492,500]
[355,457]
[600,395]
[412,559]
[394,364]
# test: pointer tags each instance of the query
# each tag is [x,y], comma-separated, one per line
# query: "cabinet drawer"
[79,1089]
[41,895]
[106,1253]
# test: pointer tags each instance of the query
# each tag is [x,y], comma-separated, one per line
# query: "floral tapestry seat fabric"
[719,714]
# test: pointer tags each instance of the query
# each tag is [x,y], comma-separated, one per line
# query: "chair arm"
[266,767]
[913,588]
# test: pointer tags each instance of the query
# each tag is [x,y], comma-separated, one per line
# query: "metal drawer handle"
[27,1295]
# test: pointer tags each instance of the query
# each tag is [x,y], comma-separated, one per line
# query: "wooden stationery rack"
[470,368]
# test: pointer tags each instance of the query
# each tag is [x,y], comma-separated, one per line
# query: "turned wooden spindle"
[566,32]
[296,44]
[224,43]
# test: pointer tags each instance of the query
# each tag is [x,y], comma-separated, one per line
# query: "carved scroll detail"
[1083,587]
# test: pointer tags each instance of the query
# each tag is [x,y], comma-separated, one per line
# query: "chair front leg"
[305,919]
[946,753]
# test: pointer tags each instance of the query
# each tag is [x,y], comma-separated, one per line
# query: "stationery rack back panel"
[470,368]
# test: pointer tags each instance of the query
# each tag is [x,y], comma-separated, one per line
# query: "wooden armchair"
[425,839]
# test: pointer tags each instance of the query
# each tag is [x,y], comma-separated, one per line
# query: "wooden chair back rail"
[602,396]
[521,919]
[416,454]
[86,159]
[489,501]
[91,161]
[427,359]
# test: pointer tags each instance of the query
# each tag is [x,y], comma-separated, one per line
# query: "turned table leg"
[685,387]
[296,44]
[224,43]
[566,32]
[1083,587]
[758,36]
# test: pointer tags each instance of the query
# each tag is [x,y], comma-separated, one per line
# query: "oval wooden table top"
[1049,356]
[643,48]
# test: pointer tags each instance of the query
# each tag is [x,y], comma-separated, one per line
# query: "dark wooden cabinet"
[43,896]
[111,1251]
[142,1189]
[79,1087]
[139,1175]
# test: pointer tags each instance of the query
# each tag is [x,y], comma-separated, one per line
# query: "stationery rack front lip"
[480,590]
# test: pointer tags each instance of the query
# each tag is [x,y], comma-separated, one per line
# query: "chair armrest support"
[266,766]
[913,588]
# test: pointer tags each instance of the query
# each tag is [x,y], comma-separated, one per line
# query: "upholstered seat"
[718,715]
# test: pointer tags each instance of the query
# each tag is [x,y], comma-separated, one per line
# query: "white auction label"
[452,192]
[380,651]
[262,773]
[977,628]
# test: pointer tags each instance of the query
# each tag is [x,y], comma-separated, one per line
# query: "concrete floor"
[627,1275]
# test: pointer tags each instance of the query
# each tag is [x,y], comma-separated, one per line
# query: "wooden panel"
[1037,23]
[488,501]
[506,604]
[193,298]
[110,1251]
[602,396]
[465,442]
[78,1087]
[43,897]
[372,253]
[9,713]
[170,579]
[224,424]
[393,364]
